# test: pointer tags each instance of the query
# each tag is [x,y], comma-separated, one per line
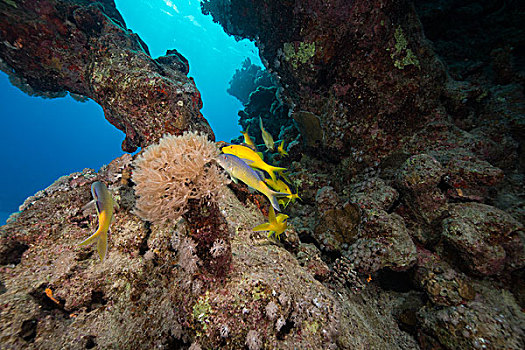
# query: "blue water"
[43,139]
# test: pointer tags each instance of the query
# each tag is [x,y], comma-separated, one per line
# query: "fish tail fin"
[91,239]
[102,245]
[101,238]
[272,170]
[274,202]
[272,196]
[262,227]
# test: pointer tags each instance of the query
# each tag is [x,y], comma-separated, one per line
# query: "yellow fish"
[105,205]
[240,170]
[281,149]
[281,186]
[289,199]
[266,136]
[276,225]
[252,159]
[248,140]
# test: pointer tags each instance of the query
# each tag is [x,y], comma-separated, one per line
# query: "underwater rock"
[327,198]
[310,257]
[364,68]
[309,126]
[85,48]
[337,226]
[384,241]
[486,239]
[467,37]
[419,179]
[442,284]
[247,79]
[472,176]
[159,284]
[374,193]
[491,321]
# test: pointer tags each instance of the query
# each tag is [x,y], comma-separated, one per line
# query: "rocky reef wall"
[364,69]
[52,47]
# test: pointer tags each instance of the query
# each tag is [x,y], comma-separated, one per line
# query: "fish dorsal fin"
[89,205]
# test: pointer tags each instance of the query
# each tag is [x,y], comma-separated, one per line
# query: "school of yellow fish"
[241,162]
[245,163]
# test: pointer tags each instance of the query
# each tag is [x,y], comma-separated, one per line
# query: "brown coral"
[175,170]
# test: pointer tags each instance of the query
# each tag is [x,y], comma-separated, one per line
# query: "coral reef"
[155,290]
[409,234]
[365,69]
[52,47]
[247,79]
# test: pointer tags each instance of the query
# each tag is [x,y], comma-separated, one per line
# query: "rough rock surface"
[491,321]
[154,291]
[363,68]
[486,238]
[50,47]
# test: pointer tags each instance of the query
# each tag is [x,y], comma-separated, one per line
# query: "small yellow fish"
[105,205]
[281,186]
[238,169]
[248,140]
[276,225]
[266,136]
[281,149]
[252,159]
[289,199]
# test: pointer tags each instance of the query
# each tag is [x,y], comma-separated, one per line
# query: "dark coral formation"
[364,69]
[51,47]
[247,79]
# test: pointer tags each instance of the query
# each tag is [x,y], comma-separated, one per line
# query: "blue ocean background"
[43,139]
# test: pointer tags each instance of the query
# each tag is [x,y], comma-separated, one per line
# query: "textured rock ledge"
[152,291]
[50,47]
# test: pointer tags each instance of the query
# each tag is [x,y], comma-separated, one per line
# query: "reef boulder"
[54,47]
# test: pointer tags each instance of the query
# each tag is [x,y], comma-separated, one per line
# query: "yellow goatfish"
[104,204]
[281,186]
[241,171]
[248,140]
[267,137]
[276,225]
[281,149]
[252,159]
